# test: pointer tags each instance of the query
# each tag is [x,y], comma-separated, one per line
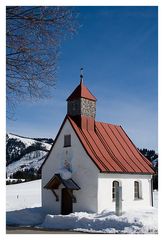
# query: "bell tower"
[81,105]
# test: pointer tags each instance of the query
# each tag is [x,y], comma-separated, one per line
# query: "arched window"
[136,190]
[114,186]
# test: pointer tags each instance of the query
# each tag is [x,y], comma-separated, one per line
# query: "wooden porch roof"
[56,180]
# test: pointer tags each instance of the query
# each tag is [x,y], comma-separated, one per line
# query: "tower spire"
[81,75]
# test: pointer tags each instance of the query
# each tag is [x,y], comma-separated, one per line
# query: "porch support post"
[56,196]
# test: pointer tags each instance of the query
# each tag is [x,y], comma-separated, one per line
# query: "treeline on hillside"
[45,140]
[26,175]
[152,155]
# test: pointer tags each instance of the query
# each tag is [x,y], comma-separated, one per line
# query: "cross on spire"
[81,75]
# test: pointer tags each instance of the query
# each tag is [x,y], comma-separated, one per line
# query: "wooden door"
[66,202]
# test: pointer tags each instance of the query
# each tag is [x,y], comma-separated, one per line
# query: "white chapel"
[89,159]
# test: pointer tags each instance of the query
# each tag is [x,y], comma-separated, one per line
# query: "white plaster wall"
[127,182]
[84,173]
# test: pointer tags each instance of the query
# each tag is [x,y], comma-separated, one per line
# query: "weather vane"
[81,75]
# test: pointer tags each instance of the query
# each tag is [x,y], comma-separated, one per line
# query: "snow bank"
[26,217]
[144,221]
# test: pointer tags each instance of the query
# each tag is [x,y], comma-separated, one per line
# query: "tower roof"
[81,92]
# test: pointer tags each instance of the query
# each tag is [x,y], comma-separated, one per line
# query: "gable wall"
[84,173]
[105,200]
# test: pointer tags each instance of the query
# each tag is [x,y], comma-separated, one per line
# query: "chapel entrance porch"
[67,197]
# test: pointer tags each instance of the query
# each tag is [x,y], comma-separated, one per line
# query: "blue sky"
[117,47]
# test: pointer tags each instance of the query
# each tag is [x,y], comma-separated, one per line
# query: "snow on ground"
[23,204]
[31,160]
[143,221]
[26,217]
[23,195]
[24,208]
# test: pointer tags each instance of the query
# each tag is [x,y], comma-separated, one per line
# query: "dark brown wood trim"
[56,196]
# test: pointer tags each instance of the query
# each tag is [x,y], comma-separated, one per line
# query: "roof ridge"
[108,123]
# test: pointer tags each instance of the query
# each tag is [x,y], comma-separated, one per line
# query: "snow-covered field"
[23,195]
[24,208]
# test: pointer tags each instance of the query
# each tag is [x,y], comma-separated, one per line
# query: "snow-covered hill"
[30,160]
[24,153]
[27,141]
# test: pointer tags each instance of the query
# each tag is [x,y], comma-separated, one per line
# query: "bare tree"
[33,38]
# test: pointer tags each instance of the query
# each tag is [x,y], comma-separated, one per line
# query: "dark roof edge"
[143,157]
[53,142]
[66,117]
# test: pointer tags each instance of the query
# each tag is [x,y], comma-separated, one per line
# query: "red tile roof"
[111,149]
[81,91]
